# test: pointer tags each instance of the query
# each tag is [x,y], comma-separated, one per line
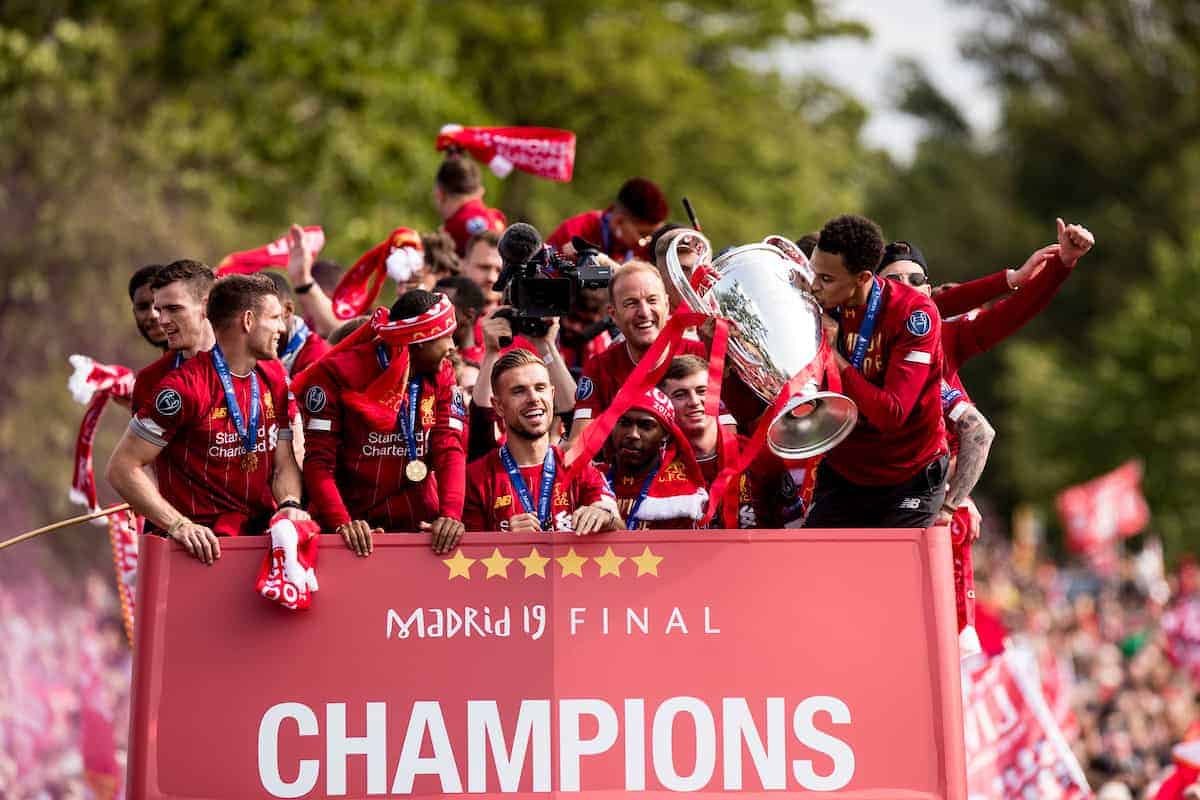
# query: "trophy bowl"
[774,335]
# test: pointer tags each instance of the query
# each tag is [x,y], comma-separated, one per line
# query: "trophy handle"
[678,277]
[803,275]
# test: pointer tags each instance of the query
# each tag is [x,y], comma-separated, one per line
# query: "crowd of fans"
[64,657]
[1129,702]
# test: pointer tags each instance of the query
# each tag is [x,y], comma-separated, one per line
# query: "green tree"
[1074,417]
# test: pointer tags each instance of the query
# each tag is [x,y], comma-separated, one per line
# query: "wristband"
[177,524]
[304,288]
[289,503]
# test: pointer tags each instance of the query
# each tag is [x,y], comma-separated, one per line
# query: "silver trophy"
[764,291]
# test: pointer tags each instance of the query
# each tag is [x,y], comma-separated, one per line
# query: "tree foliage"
[1099,124]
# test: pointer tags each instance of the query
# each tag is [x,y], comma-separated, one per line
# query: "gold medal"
[249,462]
[416,471]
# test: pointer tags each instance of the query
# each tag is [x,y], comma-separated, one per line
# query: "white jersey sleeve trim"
[958,411]
[149,430]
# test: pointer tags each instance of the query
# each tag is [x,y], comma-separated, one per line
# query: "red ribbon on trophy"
[274,254]
[544,152]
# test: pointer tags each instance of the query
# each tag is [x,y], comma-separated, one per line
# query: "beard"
[161,344]
[520,429]
[263,351]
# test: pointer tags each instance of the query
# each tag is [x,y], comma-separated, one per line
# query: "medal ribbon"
[178,359]
[631,520]
[545,487]
[867,329]
[248,434]
[408,418]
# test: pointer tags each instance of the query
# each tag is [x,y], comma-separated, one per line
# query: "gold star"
[460,565]
[610,563]
[647,563]
[534,563]
[571,563]
[497,565]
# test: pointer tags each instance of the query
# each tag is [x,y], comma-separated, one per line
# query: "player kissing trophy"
[764,292]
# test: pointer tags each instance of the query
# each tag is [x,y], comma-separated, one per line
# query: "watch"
[304,288]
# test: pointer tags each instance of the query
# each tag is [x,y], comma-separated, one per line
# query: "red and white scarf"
[400,256]
[544,152]
[93,384]
[288,574]
[124,528]
[274,254]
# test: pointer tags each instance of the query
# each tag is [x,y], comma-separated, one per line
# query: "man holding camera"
[386,425]
[623,230]
[523,486]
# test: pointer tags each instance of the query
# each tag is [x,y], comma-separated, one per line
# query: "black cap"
[902,251]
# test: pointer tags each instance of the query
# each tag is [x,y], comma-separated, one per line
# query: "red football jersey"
[898,391]
[199,469]
[605,374]
[972,333]
[491,500]
[592,226]
[472,218]
[352,470]
[576,357]
[150,376]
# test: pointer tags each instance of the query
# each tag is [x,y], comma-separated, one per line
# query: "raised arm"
[315,305]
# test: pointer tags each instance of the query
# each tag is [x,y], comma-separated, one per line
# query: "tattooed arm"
[975,442]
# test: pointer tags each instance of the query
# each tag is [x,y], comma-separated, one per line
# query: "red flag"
[545,152]
[1097,513]
[274,254]
[1014,747]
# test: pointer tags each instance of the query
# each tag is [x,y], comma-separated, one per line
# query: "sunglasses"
[912,279]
